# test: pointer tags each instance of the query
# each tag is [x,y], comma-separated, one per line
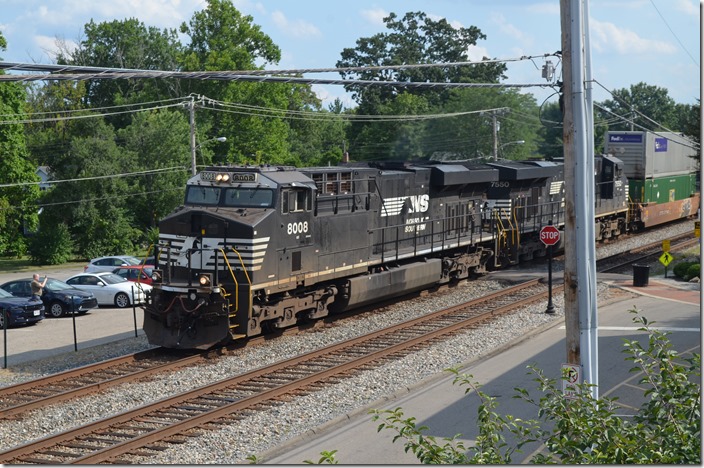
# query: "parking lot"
[54,336]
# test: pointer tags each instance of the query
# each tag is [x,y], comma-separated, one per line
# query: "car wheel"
[122,300]
[57,309]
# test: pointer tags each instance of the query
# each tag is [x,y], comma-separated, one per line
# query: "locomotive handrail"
[232,273]
[249,281]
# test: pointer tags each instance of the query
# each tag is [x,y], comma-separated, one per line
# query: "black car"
[19,311]
[58,297]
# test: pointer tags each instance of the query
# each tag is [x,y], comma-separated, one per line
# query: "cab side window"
[296,201]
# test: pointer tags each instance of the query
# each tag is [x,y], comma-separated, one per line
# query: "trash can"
[640,275]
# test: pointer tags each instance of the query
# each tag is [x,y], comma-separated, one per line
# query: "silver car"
[110,289]
[109,263]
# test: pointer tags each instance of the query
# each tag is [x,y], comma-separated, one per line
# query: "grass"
[18,265]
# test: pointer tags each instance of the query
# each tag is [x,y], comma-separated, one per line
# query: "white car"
[110,289]
[110,263]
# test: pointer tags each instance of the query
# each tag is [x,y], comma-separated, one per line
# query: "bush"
[666,429]
[51,246]
[692,272]
[680,270]
[687,270]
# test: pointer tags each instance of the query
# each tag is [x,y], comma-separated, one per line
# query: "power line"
[297,71]
[110,176]
[673,33]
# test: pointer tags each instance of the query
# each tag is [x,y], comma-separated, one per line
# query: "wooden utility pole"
[579,273]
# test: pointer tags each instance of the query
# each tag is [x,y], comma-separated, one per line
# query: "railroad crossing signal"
[549,235]
[697,229]
[666,246]
[666,258]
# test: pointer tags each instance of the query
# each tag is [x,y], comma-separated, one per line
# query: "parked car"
[110,263]
[135,272]
[110,289]
[58,297]
[19,311]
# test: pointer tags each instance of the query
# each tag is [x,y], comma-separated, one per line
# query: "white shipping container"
[648,155]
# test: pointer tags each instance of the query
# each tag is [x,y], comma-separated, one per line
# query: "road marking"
[698,330]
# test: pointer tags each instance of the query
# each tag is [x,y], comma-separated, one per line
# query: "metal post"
[73,317]
[4,334]
[134,311]
[551,307]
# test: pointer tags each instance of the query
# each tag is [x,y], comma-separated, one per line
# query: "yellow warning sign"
[666,258]
[666,245]
[697,230]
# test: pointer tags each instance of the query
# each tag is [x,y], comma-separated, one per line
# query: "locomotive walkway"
[447,411]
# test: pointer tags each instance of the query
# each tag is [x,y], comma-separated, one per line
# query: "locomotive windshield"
[230,196]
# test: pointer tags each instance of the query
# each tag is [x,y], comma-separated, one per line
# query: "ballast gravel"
[263,431]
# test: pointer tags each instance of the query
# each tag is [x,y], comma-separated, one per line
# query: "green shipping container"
[663,189]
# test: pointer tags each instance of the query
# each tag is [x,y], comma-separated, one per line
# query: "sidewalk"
[447,411]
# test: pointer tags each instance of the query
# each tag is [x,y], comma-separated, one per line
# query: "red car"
[137,273]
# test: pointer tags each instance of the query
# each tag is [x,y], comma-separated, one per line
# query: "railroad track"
[147,430]
[622,262]
[38,393]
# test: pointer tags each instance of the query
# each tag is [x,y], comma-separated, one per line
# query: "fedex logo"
[408,204]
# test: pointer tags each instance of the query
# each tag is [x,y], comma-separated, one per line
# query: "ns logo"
[408,204]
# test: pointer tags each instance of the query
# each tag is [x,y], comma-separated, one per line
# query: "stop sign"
[549,235]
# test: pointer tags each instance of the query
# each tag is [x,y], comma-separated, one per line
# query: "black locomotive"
[259,248]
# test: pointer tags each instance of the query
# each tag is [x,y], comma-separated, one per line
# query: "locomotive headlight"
[205,280]
[226,177]
[157,276]
[218,178]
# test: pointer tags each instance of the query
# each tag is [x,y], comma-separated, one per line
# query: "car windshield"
[56,285]
[4,293]
[112,278]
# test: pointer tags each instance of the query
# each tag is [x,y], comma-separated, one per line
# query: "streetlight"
[195,147]
[517,142]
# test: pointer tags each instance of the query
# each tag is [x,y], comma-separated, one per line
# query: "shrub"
[51,246]
[680,270]
[692,272]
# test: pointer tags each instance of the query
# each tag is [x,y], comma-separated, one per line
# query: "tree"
[126,44]
[93,200]
[412,40]
[160,141]
[18,196]
[221,38]
[666,429]
[642,107]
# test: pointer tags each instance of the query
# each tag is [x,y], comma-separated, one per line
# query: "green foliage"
[126,43]
[416,39]
[18,210]
[693,272]
[644,105]
[51,246]
[665,430]
[326,458]
[687,270]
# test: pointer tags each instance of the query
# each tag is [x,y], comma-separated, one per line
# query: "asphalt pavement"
[54,336]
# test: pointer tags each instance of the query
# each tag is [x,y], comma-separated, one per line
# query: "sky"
[631,41]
